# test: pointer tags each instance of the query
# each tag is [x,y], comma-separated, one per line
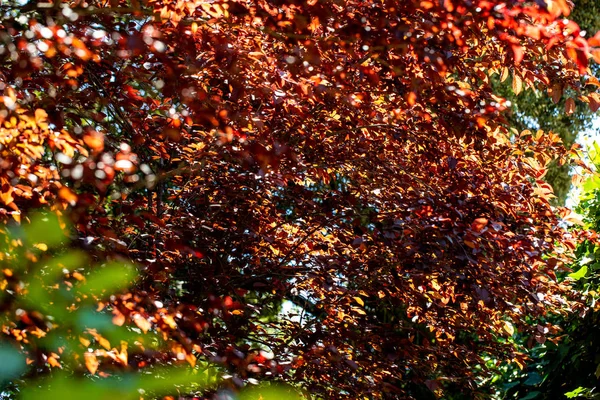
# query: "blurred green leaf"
[68,313]
[44,228]
[271,392]
[12,362]
[109,278]
[151,383]
[43,292]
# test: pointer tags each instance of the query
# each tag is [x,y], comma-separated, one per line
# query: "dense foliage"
[569,368]
[534,110]
[327,193]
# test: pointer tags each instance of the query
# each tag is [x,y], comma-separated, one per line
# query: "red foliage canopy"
[331,181]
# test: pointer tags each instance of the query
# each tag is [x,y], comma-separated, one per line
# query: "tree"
[324,193]
[533,109]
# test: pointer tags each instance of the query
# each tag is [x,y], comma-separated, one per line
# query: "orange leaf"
[67,195]
[118,318]
[595,40]
[6,194]
[596,55]
[53,362]
[570,106]
[91,362]
[470,244]
[518,53]
[190,358]
[94,140]
[479,224]
[557,92]
[103,342]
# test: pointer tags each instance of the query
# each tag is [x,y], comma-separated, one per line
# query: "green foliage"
[152,383]
[587,14]
[42,261]
[271,392]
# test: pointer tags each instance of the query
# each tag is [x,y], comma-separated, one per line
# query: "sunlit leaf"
[581,273]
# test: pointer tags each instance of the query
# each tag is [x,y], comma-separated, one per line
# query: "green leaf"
[42,294]
[579,274]
[576,392]
[108,279]
[591,185]
[13,362]
[44,229]
[152,383]
[533,379]
[270,392]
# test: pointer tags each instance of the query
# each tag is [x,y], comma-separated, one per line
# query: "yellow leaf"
[517,84]
[504,74]
[519,364]
[359,301]
[509,328]
[41,246]
[142,323]
[103,342]
[122,355]
[190,358]
[274,250]
[7,197]
[78,276]
[91,362]
[358,311]
[167,319]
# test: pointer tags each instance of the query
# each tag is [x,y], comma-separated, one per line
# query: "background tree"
[534,109]
[348,160]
